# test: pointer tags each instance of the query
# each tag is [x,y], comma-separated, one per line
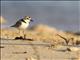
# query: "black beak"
[31,20]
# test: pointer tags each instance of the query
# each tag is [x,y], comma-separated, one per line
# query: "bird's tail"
[12,26]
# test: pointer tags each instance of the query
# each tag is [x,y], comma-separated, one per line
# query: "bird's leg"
[24,35]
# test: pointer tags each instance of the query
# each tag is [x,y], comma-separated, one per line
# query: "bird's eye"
[27,18]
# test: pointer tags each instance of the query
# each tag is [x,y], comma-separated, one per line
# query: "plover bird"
[23,23]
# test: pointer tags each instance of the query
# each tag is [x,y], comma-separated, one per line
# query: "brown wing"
[18,23]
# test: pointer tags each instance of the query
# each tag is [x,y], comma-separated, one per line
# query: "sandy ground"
[38,50]
[46,44]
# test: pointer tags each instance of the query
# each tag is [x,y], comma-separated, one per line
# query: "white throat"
[27,21]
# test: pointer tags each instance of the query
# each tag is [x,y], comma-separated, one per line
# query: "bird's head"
[28,18]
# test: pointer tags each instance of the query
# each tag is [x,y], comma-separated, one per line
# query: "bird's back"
[18,23]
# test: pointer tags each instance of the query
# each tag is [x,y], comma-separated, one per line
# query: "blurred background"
[63,15]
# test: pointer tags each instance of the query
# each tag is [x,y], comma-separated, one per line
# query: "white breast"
[24,25]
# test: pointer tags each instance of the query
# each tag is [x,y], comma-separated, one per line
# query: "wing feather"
[18,23]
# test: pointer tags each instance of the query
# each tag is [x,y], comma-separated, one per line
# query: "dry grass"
[41,32]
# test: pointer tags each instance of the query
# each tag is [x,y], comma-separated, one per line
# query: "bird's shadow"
[18,38]
[21,38]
